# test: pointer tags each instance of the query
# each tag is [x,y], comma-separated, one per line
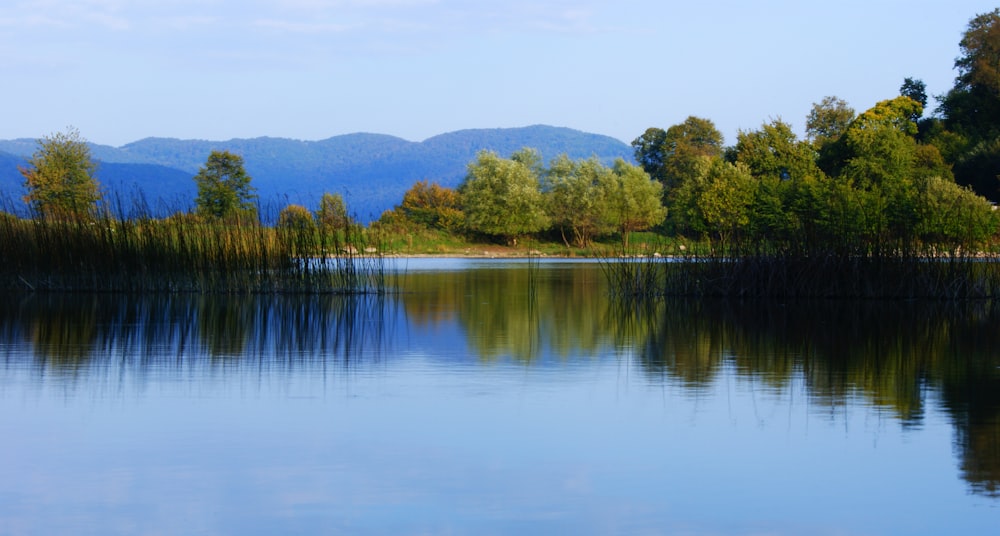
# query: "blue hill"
[371,171]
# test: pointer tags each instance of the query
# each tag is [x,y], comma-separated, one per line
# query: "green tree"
[634,200]
[786,171]
[971,108]
[881,144]
[717,201]
[775,152]
[651,152]
[224,189]
[827,121]
[881,163]
[953,216]
[825,126]
[672,156]
[60,177]
[502,197]
[915,89]
[577,198]
[331,216]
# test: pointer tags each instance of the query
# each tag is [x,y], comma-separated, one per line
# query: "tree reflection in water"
[892,355]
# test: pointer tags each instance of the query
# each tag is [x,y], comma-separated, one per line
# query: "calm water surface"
[496,398]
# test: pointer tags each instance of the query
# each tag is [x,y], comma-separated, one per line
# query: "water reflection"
[894,356]
[69,334]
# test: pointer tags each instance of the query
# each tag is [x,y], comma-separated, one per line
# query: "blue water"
[431,414]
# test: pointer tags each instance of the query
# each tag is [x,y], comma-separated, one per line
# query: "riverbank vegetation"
[885,203]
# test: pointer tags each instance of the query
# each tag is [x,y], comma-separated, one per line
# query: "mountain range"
[371,171]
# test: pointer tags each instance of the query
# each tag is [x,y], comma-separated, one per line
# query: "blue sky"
[122,70]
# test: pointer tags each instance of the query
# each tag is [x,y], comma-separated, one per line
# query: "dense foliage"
[224,189]
[60,178]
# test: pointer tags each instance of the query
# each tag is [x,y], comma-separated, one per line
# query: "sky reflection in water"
[466,405]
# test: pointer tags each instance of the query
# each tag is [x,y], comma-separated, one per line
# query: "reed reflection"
[71,332]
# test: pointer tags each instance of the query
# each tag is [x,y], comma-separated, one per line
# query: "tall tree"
[502,197]
[916,89]
[825,125]
[881,162]
[60,177]
[577,198]
[671,156]
[651,152]
[718,201]
[972,107]
[224,189]
[881,142]
[634,200]
[775,152]
[332,213]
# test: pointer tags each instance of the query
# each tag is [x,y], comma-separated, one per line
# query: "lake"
[496,397]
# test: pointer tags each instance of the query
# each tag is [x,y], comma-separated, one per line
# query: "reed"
[123,248]
[760,273]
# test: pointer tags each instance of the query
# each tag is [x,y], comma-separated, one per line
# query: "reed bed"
[184,253]
[816,275]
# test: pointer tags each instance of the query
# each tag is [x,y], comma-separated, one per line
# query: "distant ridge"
[371,171]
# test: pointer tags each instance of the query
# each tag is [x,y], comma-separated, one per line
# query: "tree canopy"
[971,109]
[60,177]
[332,213]
[634,200]
[224,189]
[502,196]
[671,156]
[577,201]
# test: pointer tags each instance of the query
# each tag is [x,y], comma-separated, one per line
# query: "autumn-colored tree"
[298,228]
[432,205]
[296,218]
[332,214]
[60,177]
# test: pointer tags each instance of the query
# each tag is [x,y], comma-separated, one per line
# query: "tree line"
[888,180]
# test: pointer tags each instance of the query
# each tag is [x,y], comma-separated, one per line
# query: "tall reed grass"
[123,248]
[736,273]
